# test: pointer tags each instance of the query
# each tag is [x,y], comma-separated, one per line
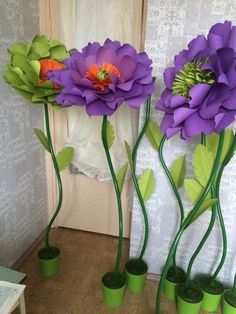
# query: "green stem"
[207,233]
[219,211]
[117,190]
[169,176]
[59,183]
[134,177]
[187,221]
[234,287]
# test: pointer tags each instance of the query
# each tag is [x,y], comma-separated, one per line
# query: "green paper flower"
[28,66]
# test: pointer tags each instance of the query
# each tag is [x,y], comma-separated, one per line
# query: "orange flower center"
[47,65]
[101,77]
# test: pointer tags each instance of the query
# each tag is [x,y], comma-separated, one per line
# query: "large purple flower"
[101,78]
[200,94]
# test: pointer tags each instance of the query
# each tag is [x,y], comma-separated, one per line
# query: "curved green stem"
[117,190]
[59,183]
[169,176]
[207,233]
[234,287]
[134,177]
[187,221]
[219,211]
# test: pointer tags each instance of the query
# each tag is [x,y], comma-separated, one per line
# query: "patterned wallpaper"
[170,26]
[23,199]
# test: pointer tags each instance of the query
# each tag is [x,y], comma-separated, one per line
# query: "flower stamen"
[191,75]
[101,77]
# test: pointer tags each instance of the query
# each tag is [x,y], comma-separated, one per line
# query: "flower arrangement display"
[101,78]
[199,99]
[27,74]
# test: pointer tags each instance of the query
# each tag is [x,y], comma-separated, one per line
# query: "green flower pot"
[229,303]
[113,288]
[212,294]
[174,277]
[49,261]
[136,272]
[189,302]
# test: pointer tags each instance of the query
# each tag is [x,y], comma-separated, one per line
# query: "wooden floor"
[85,257]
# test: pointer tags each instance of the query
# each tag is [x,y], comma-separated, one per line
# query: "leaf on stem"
[146,184]
[213,139]
[178,170]
[129,154]
[110,134]
[42,138]
[203,163]
[65,157]
[121,176]
[208,203]
[193,189]
[154,134]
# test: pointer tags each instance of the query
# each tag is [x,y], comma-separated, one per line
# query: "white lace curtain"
[83,21]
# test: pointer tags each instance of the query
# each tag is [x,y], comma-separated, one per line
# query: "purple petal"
[219,35]
[105,55]
[223,120]
[177,100]
[198,94]
[195,46]
[126,68]
[167,122]
[232,39]
[181,114]
[172,131]
[126,50]
[126,86]
[230,102]
[226,58]
[195,125]
[91,49]
[136,102]
[98,108]
[169,76]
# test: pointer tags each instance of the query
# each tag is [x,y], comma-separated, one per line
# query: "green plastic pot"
[172,280]
[113,289]
[187,304]
[212,294]
[136,272]
[49,261]
[227,307]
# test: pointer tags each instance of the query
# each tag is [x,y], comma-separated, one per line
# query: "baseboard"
[20,261]
[154,277]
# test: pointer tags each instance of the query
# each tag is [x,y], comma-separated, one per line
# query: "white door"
[88,204]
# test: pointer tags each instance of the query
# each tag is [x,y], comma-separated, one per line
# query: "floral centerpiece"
[199,99]
[27,74]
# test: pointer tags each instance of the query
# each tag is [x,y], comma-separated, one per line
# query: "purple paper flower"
[200,94]
[101,78]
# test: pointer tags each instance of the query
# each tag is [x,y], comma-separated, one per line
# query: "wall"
[171,24]
[23,198]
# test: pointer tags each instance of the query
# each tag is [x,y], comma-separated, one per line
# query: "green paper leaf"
[213,139]
[129,154]
[208,203]
[11,77]
[65,157]
[42,138]
[35,66]
[203,161]
[110,134]
[193,189]
[20,48]
[154,134]
[40,48]
[22,62]
[121,176]
[178,170]
[59,53]
[146,184]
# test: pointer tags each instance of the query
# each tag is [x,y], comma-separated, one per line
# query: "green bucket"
[185,307]
[189,301]
[136,272]
[113,289]
[212,294]
[49,262]
[173,278]
[227,307]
